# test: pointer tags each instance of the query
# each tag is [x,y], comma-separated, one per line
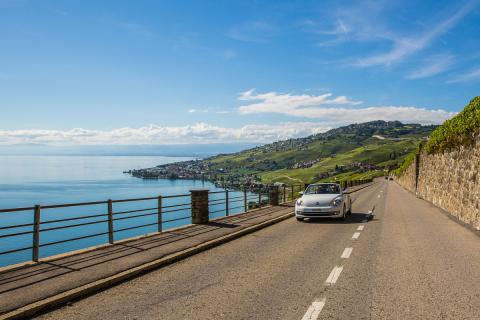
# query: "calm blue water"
[46,180]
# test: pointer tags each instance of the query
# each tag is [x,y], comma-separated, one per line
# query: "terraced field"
[353,152]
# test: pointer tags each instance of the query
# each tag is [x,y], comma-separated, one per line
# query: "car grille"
[319,213]
[315,214]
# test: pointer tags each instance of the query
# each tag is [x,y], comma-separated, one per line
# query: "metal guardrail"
[229,200]
[108,219]
[113,221]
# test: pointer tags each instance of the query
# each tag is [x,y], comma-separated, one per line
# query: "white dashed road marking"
[333,277]
[316,307]
[314,310]
[346,253]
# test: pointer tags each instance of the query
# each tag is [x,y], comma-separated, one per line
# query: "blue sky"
[157,72]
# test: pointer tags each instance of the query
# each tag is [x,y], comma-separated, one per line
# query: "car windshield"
[323,189]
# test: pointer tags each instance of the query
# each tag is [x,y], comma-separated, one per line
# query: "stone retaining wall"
[408,178]
[450,180]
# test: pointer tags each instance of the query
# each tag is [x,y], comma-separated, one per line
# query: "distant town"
[198,170]
[221,177]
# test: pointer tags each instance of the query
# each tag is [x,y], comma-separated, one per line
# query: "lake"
[26,181]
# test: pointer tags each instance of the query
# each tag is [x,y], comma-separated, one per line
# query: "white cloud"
[335,111]
[407,46]
[198,133]
[327,110]
[208,110]
[363,21]
[435,65]
[367,22]
[289,103]
[467,77]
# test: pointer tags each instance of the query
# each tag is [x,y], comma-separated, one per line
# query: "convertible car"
[323,200]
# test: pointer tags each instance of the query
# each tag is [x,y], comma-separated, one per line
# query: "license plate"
[313,210]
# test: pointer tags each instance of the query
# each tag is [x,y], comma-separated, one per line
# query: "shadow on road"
[28,275]
[355,217]
[221,224]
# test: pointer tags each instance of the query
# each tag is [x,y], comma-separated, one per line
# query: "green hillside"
[352,152]
[453,133]
[460,130]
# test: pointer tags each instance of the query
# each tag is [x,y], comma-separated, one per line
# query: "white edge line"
[314,310]
[346,253]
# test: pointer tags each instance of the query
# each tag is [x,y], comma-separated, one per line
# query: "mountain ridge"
[356,150]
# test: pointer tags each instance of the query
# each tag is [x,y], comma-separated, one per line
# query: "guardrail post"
[306,186]
[292,192]
[259,198]
[284,193]
[226,203]
[36,233]
[159,218]
[245,205]
[110,221]
[199,201]
[273,196]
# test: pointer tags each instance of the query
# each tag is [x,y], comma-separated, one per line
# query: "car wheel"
[344,213]
[299,219]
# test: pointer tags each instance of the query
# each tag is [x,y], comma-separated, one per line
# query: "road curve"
[408,261]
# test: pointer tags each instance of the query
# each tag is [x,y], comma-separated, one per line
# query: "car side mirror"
[301,193]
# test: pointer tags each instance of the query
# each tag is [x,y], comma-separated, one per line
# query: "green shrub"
[409,159]
[457,131]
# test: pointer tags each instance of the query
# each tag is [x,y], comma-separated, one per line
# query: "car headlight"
[337,201]
[299,202]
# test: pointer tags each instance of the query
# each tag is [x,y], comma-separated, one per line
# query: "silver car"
[323,200]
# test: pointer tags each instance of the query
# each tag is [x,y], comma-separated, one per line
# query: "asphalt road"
[408,261]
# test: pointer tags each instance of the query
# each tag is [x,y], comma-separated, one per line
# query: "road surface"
[408,261]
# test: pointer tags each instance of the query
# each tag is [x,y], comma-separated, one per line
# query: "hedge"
[409,159]
[460,130]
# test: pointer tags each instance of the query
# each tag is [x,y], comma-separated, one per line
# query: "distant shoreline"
[191,157]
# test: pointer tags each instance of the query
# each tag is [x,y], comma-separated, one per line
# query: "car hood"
[318,200]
